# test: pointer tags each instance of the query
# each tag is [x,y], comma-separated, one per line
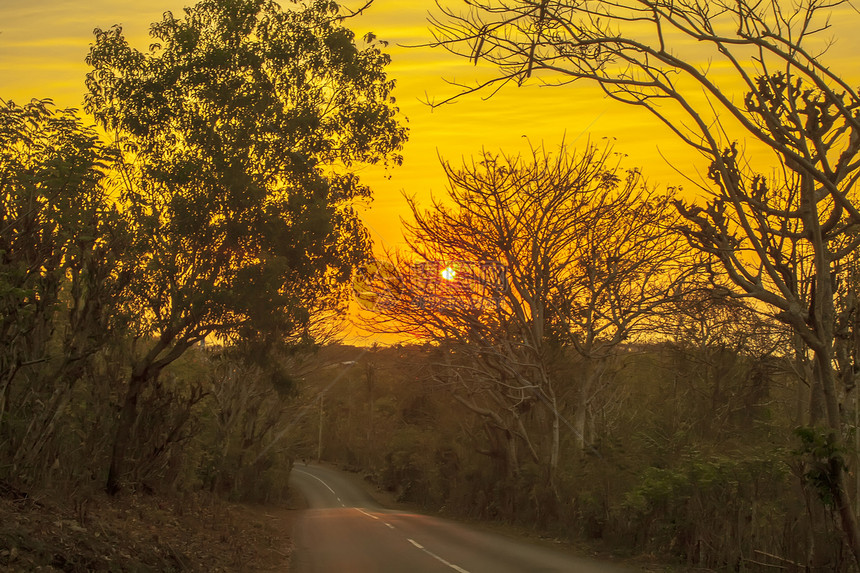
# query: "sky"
[43,44]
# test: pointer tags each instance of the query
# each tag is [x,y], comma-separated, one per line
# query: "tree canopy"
[239,130]
[58,235]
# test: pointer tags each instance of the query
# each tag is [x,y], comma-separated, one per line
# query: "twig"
[778,558]
[357,12]
[765,564]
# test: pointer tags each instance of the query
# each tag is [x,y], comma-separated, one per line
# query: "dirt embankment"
[45,532]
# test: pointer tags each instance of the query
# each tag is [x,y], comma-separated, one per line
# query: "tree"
[59,243]
[239,130]
[529,262]
[761,224]
[250,406]
[728,353]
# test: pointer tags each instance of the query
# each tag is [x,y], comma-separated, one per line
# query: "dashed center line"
[370,515]
[456,568]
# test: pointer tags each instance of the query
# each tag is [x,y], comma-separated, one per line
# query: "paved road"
[345,531]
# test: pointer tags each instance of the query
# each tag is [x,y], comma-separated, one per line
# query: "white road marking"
[370,515]
[436,557]
[412,541]
[319,480]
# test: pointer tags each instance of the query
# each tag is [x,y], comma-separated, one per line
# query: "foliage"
[555,261]
[247,407]
[51,170]
[233,128]
[221,207]
[61,273]
[720,494]
[706,507]
[239,131]
[823,458]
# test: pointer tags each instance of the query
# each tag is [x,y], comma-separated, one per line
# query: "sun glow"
[448,273]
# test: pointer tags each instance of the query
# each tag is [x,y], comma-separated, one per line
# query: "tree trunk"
[825,317]
[839,484]
[823,322]
[127,416]
[580,412]
[320,428]
[556,440]
[816,395]
[806,383]
[369,382]
[42,427]
[5,397]
[512,466]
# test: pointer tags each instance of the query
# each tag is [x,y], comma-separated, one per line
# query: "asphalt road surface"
[345,531]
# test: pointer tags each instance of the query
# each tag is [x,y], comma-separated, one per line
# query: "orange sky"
[43,44]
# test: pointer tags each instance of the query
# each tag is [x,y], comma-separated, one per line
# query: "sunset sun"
[448,273]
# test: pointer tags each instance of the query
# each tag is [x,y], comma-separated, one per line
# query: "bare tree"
[760,222]
[529,260]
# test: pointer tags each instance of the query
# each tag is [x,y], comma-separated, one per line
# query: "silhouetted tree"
[60,249]
[790,101]
[239,129]
[529,259]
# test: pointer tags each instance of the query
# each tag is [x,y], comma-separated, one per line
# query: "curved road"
[345,531]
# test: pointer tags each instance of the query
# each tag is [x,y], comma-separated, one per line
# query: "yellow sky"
[43,44]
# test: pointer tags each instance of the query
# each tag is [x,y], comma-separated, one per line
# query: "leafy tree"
[239,129]
[59,243]
[762,225]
